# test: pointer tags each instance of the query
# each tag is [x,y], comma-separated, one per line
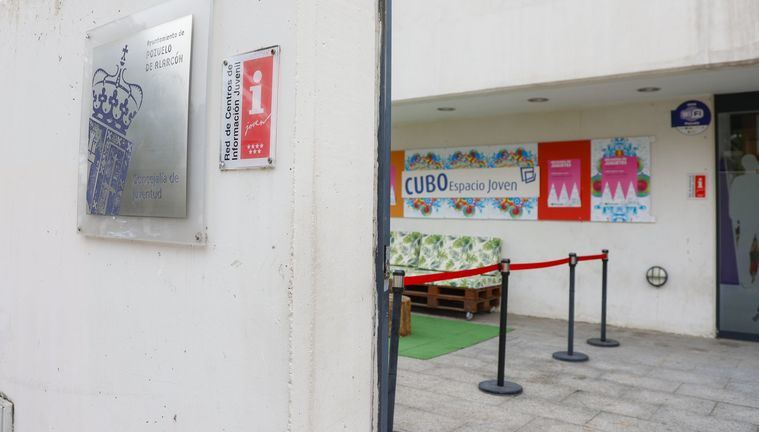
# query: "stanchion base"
[574,357]
[508,388]
[608,343]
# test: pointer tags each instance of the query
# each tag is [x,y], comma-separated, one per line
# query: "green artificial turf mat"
[432,337]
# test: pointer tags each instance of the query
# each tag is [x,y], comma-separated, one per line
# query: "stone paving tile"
[751,362]
[458,359]
[419,380]
[690,363]
[485,427]
[582,370]
[687,403]
[552,410]
[595,385]
[492,420]
[609,404]
[544,360]
[470,410]
[744,375]
[740,374]
[605,364]
[618,423]
[464,375]
[737,412]
[468,392]
[689,421]
[642,381]
[410,364]
[654,382]
[421,399]
[750,389]
[719,395]
[548,425]
[546,391]
[526,373]
[688,377]
[408,419]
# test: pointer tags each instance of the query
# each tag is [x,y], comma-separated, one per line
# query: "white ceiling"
[572,95]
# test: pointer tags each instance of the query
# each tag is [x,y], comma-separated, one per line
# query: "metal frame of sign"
[187,230]
[693,190]
[268,162]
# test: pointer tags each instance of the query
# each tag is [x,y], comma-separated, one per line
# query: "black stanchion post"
[395,325]
[570,355]
[499,386]
[602,341]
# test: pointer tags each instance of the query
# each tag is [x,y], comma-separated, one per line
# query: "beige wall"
[260,330]
[444,47]
[682,239]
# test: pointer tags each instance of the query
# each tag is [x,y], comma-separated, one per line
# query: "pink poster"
[564,183]
[619,177]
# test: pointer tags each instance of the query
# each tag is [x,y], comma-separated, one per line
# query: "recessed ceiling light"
[649,89]
[446,109]
[537,99]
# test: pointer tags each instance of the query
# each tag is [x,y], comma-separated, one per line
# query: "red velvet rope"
[537,265]
[591,257]
[437,277]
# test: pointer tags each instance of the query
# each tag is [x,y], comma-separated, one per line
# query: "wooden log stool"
[405,328]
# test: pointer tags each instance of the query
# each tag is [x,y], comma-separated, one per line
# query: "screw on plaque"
[222,164]
[226,62]
[86,35]
[198,236]
[78,229]
[269,160]
[273,51]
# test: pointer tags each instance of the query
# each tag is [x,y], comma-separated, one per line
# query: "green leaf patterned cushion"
[450,253]
[410,271]
[404,248]
[481,281]
[487,252]
[432,253]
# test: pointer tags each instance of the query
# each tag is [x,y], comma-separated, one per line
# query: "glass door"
[738,215]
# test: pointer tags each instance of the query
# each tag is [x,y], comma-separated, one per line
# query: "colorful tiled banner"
[605,180]
[473,205]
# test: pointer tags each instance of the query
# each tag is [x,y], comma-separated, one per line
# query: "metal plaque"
[137,140]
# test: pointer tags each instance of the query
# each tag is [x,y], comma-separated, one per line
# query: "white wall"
[255,331]
[448,46]
[682,239]
[333,310]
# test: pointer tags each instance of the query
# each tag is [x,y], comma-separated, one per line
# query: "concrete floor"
[652,382]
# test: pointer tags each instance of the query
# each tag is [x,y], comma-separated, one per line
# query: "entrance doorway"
[737,171]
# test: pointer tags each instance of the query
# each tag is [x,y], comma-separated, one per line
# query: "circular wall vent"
[657,276]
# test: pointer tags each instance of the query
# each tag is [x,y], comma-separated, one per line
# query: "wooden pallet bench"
[469,300]
[421,254]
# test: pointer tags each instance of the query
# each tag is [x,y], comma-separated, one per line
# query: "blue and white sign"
[691,117]
[472,183]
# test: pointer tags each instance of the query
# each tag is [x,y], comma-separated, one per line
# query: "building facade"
[567,73]
[271,324]
[252,330]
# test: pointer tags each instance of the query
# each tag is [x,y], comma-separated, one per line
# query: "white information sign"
[697,186]
[521,182]
[249,109]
